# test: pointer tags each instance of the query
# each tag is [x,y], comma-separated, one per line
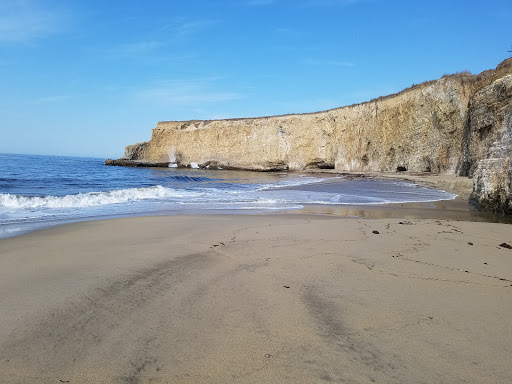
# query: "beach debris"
[470,243]
[268,355]
[405,223]
[485,263]
[375,232]
[286,286]
[505,245]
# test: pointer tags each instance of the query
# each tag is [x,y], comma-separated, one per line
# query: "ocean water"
[42,191]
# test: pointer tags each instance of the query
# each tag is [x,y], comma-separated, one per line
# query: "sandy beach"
[272,298]
[255,192]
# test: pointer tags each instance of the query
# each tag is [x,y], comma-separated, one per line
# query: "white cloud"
[26,20]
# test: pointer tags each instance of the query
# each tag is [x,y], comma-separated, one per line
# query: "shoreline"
[459,185]
[459,208]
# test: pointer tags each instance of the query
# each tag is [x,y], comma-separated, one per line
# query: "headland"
[458,125]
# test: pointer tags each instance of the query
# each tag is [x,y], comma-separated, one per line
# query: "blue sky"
[88,77]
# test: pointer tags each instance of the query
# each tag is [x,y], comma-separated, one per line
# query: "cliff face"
[491,145]
[459,124]
[417,130]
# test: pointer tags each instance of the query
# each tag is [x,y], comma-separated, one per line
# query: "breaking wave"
[90,199]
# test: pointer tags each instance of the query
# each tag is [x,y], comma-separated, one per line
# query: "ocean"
[42,191]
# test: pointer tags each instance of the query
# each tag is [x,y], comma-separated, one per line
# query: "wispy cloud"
[334,63]
[51,99]
[193,93]
[26,20]
[150,51]
[182,28]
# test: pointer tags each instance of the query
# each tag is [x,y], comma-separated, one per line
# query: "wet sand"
[274,298]
[459,209]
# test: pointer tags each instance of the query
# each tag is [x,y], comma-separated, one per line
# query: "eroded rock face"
[137,151]
[417,130]
[491,145]
[456,125]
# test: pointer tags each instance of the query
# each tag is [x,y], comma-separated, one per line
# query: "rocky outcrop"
[137,151]
[456,125]
[135,163]
[490,138]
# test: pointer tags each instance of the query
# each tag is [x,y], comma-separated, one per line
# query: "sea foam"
[90,199]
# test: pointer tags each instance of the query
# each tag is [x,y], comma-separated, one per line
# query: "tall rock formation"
[490,142]
[460,124]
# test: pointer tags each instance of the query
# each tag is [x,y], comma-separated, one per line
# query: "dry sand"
[257,299]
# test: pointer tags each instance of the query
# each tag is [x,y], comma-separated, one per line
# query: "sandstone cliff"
[460,124]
